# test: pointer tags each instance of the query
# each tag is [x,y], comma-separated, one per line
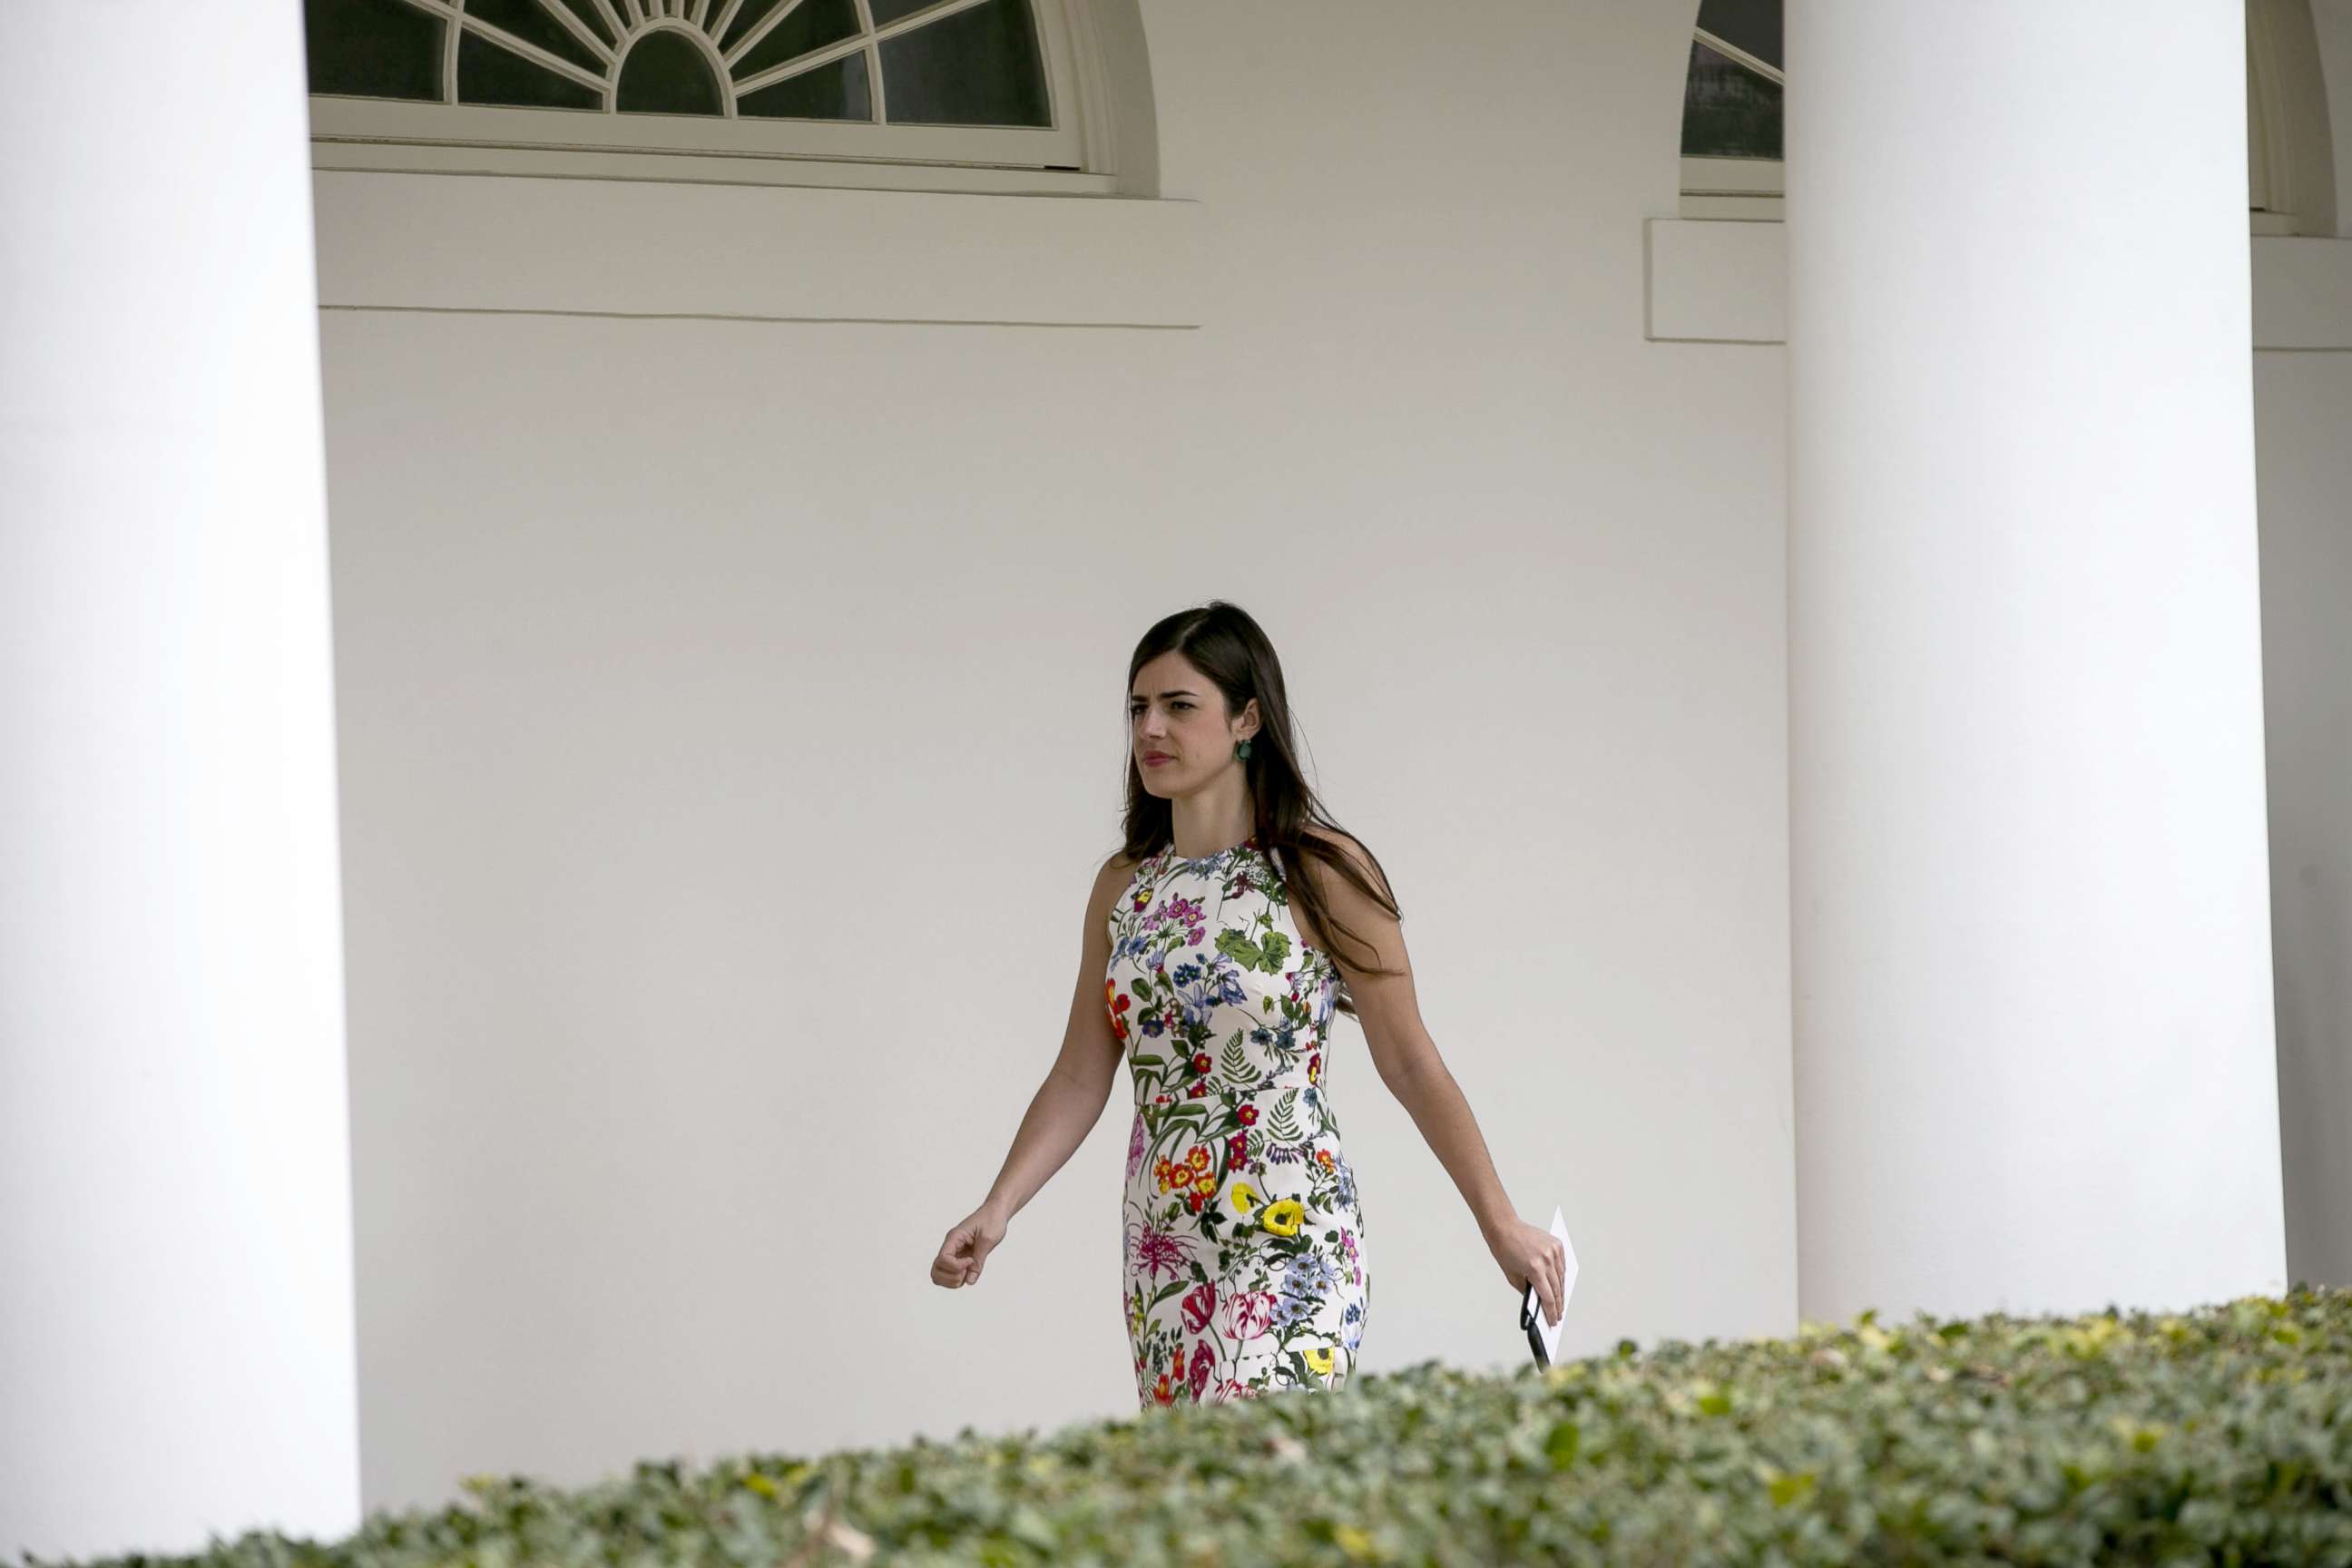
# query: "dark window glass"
[587,12]
[888,11]
[488,74]
[1751,25]
[835,91]
[812,24]
[979,67]
[746,15]
[528,21]
[1729,111]
[666,72]
[372,49]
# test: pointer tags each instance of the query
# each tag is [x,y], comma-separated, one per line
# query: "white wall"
[2303,406]
[729,715]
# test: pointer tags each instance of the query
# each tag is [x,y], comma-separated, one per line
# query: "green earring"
[1242,750]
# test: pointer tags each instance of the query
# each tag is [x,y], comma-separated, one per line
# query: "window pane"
[888,11]
[1729,111]
[372,49]
[587,12]
[1751,25]
[746,15]
[667,73]
[812,24]
[979,67]
[528,21]
[488,74]
[834,92]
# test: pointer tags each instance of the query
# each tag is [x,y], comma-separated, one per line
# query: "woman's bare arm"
[1407,1061]
[1067,1105]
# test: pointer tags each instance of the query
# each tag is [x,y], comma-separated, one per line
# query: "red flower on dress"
[1204,1367]
[1198,1303]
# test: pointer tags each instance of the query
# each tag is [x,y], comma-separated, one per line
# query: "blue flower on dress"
[1305,1285]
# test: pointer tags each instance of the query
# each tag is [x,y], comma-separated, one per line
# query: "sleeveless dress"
[1246,1270]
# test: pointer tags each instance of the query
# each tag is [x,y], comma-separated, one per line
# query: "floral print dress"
[1246,1270]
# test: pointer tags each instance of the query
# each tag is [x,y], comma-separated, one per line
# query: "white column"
[2034,1059]
[176,1340]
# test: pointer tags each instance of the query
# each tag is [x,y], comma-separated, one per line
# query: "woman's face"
[1177,714]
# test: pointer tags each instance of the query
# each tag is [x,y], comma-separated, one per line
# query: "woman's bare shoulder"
[1113,876]
[1345,846]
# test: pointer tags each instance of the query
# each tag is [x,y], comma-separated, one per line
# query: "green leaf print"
[1280,1125]
[1237,946]
[1237,1063]
[1265,954]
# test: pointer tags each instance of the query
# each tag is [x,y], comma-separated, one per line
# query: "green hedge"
[2219,1436]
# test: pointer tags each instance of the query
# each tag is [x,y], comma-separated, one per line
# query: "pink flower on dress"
[1152,1248]
[1204,1367]
[1248,1313]
[1136,1144]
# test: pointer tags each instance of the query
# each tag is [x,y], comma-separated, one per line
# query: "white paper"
[1549,1329]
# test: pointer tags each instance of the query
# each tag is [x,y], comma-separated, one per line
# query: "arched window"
[1731,154]
[978,84]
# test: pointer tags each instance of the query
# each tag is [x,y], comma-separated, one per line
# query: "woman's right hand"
[967,1246]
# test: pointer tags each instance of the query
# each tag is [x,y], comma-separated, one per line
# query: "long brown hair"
[1223,643]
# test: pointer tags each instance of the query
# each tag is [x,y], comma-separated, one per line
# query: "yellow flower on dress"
[1319,1361]
[1243,1196]
[1283,1217]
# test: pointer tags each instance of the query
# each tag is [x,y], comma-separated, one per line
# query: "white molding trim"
[594,164]
[424,242]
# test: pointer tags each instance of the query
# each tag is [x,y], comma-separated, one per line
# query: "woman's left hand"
[1530,1254]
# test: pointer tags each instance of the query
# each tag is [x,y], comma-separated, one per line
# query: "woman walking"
[1206,969]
